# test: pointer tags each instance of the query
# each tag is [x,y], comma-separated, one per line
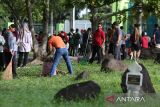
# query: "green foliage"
[3,17]
[149,7]
[17,5]
[98,3]
[38,11]
[31,90]
[59,7]
[152,6]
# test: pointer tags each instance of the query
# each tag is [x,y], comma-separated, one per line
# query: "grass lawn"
[31,90]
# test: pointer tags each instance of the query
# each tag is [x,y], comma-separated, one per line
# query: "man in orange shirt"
[61,50]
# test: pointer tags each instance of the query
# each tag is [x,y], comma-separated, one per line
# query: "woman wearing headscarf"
[25,44]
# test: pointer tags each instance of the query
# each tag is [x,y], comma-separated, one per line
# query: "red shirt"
[144,41]
[99,37]
[63,35]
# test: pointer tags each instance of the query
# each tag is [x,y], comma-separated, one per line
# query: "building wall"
[147,25]
[80,24]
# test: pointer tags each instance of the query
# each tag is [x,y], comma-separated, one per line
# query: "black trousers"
[96,50]
[23,56]
[1,61]
[123,50]
[8,57]
[111,48]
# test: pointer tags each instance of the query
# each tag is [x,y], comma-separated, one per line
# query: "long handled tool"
[7,74]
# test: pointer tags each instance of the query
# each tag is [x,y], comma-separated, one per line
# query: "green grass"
[31,90]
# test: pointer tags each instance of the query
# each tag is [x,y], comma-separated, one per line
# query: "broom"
[7,74]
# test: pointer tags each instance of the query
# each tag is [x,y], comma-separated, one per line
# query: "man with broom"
[10,49]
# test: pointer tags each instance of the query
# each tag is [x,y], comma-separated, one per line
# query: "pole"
[51,23]
[116,8]
[73,18]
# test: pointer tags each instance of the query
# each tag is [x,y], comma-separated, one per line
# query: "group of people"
[123,45]
[114,41]
[132,44]
[94,45]
[77,41]
[13,41]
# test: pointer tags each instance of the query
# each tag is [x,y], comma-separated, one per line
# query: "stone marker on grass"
[82,75]
[46,68]
[113,65]
[83,90]
[147,86]
[147,53]
[157,52]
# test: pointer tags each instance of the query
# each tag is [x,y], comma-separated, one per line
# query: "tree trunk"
[72,18]
[51,22]
[93,21]
[43,48]
[139,16]
[16,22]
[29,7]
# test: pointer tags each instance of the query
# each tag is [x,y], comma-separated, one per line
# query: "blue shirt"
[118,32]
[12,43]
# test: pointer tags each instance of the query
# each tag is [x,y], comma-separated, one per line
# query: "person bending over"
[61,50]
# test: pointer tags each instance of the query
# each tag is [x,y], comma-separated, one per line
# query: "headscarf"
[25,28]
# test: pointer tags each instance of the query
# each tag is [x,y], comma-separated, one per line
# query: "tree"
[16,9]
[29,7]
[93,5]
[49,8]
[59,9]
[43,47]
[3,17]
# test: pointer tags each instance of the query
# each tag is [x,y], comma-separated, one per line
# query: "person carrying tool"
[10,49]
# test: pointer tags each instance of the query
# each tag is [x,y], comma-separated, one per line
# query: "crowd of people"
[114,41]
[90,44]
